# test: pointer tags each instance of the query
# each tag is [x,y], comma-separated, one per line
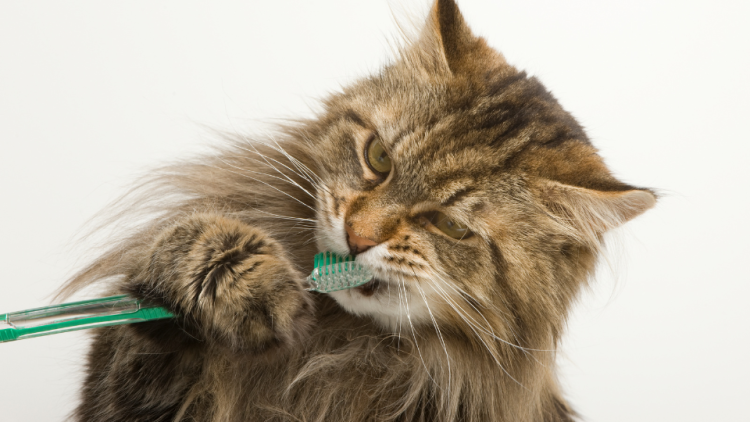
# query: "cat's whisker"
[298,164]
[475,326]
[308,175]
[312,238]
[311,145]
[318,182]
[462,312]
[272,187]
[463,295]
[297,222]
[439,334]
[253,151]
[285,179]
[492,353]
[269,140]
[299,228]
[467,296]
[489,329]
[304,223]
[413,331]
[266,160]
[400,312]
[310,221]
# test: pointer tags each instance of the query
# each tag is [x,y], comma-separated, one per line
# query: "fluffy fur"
[454,329]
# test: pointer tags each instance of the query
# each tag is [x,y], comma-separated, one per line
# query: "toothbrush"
[330,273]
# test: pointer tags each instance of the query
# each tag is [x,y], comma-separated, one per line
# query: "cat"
[478,202]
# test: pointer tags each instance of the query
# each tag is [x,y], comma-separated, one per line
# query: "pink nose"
[357,244]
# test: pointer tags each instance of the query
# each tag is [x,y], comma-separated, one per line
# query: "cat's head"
[472,194]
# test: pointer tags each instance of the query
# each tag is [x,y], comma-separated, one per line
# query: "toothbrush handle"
[114,310]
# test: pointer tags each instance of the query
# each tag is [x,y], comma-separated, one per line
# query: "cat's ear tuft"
[452,34]
[446,42]
[592,212]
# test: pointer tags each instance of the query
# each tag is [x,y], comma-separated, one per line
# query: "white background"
[94,94]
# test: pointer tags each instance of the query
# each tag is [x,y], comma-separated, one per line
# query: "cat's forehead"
[423,124]
[478,127]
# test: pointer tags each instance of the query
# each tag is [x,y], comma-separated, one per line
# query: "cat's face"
[472,195]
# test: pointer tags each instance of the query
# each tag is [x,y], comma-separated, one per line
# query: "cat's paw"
[229,282]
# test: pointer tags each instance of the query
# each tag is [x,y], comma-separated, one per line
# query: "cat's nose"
[357,244]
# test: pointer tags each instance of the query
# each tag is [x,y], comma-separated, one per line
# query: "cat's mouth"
[369,288]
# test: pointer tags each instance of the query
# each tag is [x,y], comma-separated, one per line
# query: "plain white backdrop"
[93,94]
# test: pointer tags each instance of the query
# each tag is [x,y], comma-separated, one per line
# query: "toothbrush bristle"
[334,272]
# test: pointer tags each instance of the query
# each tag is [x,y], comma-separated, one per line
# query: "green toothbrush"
[331,273]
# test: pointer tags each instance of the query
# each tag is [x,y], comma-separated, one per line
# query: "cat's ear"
[592,212]
[446,37]
[453,37]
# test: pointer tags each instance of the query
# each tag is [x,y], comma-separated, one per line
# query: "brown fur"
[458,330]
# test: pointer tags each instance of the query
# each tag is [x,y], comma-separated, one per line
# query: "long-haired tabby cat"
[475,198]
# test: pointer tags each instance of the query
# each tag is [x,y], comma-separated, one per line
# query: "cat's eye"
[449,226]
[377,157]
